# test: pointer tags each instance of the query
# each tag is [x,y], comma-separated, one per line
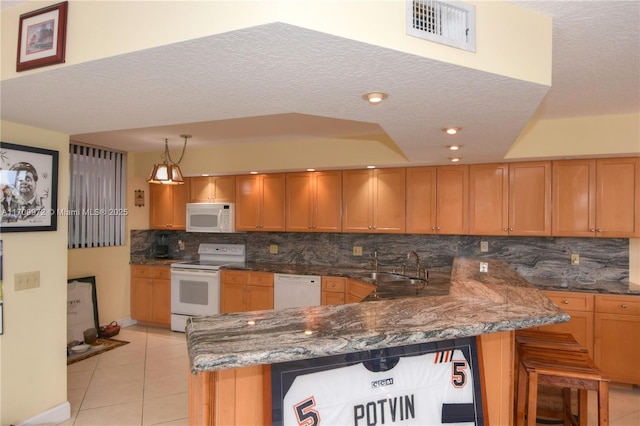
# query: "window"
[97,207]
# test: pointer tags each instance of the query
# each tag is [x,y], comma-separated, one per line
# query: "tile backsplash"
[600,258]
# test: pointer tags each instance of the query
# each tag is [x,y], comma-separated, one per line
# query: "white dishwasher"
[296,291]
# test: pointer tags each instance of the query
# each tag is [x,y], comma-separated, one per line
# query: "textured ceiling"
[281,82]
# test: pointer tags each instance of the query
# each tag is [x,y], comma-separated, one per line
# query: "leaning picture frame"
[29,188]
[42,37]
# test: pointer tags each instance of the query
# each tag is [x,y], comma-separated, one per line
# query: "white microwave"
[211,217]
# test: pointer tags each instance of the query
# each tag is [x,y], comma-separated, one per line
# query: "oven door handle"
[194,272]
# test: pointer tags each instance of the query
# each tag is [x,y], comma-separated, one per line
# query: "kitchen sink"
[383,276]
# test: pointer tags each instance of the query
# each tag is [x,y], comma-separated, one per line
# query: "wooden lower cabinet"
[242,291]
[579,306]
[497,360]
[151,294]
[333,290]
[617,337]
[240,396]
[358,290]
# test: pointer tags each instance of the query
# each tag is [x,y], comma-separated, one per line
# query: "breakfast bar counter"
[234,348]
[477,303]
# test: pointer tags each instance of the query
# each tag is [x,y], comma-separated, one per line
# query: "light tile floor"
[142,383]
[146,383]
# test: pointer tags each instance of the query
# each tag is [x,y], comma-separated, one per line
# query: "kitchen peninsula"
[230,354]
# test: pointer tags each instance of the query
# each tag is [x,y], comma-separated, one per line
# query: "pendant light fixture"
[168,172]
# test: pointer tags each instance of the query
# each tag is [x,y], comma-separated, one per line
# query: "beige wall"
[605,135]
[507,45]
[33,363]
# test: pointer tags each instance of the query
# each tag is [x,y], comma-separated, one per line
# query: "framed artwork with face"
[29,185]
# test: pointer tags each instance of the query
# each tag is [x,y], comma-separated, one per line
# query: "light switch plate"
[484,246]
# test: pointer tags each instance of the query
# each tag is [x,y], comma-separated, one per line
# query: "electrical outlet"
[575,259]
[357,251]
[180,245]
[273,249]
[484,267]
[26,280]
[484,246]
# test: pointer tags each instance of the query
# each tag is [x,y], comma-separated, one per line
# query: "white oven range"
[195,285]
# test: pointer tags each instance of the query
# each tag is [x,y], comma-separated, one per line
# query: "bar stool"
[564,366]
[547,340]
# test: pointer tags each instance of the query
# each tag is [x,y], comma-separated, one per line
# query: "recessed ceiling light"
[371,167]
[454,147]
[311,170]
[374,98]
[455,159]
[451,130]
[253,173]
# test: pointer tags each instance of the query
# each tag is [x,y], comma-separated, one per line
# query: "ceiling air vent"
[446,22]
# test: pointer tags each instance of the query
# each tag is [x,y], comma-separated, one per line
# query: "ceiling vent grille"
[446,22]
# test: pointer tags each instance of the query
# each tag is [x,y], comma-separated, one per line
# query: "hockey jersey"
[430,389]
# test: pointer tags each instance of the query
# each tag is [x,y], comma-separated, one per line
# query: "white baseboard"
[126,322]
[58,414]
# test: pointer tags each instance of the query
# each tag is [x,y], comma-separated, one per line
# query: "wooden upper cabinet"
[489,199]
[618,197]
[437,200]
[168,206]
[574,198]
[530,198]
[510,199]
[212,189]
[314,201]
[374,200]
[260,202]
[596,198]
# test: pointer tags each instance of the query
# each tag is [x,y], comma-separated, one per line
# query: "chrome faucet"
[411,252]
[375,260]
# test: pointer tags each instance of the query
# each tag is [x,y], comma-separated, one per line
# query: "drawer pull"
[565,301]
[623,306]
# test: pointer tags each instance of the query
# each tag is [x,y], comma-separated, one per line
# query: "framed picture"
[42,37]
[426,383]
[29,184]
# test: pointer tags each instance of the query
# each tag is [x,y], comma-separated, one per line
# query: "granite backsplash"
[546,257]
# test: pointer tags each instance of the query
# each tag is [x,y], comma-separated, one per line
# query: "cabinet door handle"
[510,229]
[505,229]
[438,228]
[599,229]
[433,228]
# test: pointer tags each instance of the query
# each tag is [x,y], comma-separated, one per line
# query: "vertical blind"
[97,202]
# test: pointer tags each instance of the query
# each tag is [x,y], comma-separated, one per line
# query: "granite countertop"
[476,303]
[603,287]
[559,284]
